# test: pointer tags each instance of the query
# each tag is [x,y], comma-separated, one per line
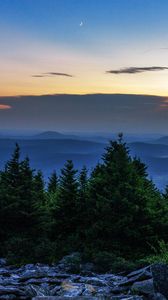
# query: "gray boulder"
[160,278]
[143,274]
[70,263]
[65,298]
[143,287]
[157,296]
[122,297]
[136,276]
[126,297]
[33,290]
[70,289]
[87,269]
[7,290]
[3,262]
[93,281]
[8,297]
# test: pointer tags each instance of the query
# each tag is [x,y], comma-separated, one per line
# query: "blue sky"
[45,36]
[83,47]
[58,20]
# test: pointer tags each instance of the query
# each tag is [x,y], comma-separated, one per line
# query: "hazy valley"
[49,151]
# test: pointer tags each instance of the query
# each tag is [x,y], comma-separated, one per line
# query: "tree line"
[115,210]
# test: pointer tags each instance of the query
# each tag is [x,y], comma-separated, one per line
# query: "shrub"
[106,261]
[19,250]
[161,253]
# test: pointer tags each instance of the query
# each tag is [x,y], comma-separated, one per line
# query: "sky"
[81,47]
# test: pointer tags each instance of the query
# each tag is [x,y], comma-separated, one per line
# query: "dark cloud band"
[135,70]
[52,74]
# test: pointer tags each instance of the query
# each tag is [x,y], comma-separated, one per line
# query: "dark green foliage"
[107,261]
[38,187]
[67,200]
[83,183]
[113,216]
[68,184]
[123,204]
[64,213]
[19,202]
[53,183]
[140,167]
[165,194]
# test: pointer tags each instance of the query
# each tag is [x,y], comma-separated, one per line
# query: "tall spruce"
[65,212]
[39,189]
[122,203]
[83,184]
[53,183]
[82,204]
[18,212]
[67,199]
[10,193]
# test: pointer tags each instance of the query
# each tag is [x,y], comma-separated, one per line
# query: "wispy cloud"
[135,70]
[4,106]
[38,76]
[52,74]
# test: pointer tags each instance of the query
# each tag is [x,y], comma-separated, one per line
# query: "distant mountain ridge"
[53,135]
[50,150]
[162,140]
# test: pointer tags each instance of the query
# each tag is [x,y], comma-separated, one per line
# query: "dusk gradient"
[83,47]
[45,36]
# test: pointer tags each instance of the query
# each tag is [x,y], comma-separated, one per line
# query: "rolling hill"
[49,154]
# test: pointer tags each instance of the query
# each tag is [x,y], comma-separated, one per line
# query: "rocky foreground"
[44,282]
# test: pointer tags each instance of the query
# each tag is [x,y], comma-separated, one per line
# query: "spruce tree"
[65,212]
[25,209]
[122,203]
[83,183]
[39,189]
[82,204]
[19,216]
[68,185]
[53,183]
[10,193]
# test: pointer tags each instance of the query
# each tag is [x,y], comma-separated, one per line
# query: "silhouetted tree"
[53,183]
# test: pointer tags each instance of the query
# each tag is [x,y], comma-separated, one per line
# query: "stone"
[93,281]
[4,272]
[126,297]
[39,281]
[3,262]
[70,289]
[87,269]
[70,263]
[160,278]
[55,291]
[121,297]
[157,296]
[131,280]
[8,297]
[59,282]
[119,289]
[144,273]
[35,273]
[32,290]
[65,298]
[5,290]
[143,287]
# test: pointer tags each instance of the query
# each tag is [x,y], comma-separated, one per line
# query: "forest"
[114,213]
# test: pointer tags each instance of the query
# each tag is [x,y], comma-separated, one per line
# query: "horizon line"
[81,94]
